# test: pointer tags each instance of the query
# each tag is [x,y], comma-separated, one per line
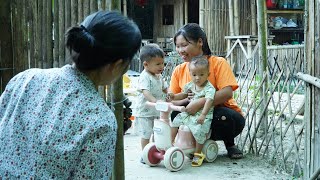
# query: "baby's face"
[155,65]
[199,74]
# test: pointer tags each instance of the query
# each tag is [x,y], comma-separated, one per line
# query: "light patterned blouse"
[55,125]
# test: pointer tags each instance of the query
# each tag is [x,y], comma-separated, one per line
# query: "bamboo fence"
[280,137]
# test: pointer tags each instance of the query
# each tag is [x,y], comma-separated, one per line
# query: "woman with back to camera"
[228,121]
[53,122]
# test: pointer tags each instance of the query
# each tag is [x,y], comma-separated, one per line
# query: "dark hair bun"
[78,39]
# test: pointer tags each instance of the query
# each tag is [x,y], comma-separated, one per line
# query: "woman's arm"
[220,97]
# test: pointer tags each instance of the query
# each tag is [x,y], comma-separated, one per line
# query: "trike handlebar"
[166,106]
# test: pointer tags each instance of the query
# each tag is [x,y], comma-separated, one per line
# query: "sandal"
[234,152]
[197,159]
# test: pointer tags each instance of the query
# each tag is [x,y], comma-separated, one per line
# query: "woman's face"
[113,72]
[188,50]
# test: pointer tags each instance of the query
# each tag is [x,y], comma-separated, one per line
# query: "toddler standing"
[151,87]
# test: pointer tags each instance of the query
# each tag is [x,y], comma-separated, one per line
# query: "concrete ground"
[250,167]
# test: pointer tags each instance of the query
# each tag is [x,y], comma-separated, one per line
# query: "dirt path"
[250,167]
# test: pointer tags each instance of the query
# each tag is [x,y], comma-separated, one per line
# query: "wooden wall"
[34,32]
[163,31]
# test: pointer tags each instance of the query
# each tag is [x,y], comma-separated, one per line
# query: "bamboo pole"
[309,33]
[231,30]
[56,34]
[201,13]
[124,5]
[74,12]
[185,11]
[24,22]
[117,101]
[310,79]
[93,6]
[43,37]
[61,33]
[6,44]
[253,17]
[262,40]
[49,57]
[86,8]
[236,16]
[80,11]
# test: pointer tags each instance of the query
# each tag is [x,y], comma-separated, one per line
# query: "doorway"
[193,11]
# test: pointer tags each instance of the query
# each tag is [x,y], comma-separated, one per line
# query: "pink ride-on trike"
[162,148]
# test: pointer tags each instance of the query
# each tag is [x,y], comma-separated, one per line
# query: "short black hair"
[200,61]
[193,32]
[102,38]
[150,51]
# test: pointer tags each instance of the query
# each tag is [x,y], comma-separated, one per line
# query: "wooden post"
[312,108]
[262,40]
[117,101]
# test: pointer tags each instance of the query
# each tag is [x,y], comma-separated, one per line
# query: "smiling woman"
[227,121]
[53,122]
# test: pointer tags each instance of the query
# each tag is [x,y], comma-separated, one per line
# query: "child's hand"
[190,94]
[201,119]
[169,97]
